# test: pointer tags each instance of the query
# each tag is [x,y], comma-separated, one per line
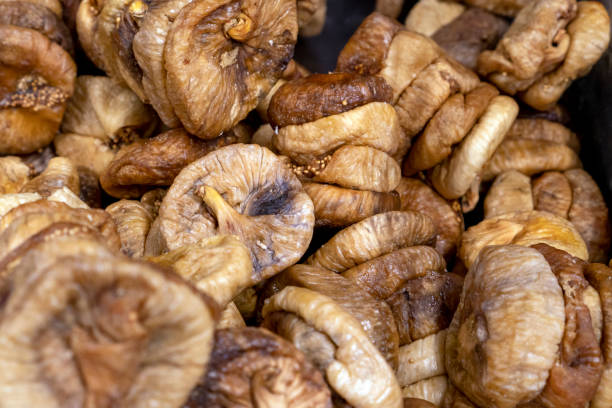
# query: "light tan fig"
[14,174]
[60,172]
[510,192]
[133,222]
[427,16]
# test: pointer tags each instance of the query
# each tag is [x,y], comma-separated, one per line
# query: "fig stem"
[223,212]
[239,27]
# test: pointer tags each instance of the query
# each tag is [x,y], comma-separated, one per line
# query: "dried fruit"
[133,222]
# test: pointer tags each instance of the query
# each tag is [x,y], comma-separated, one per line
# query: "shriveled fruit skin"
[251,367]
[244,190]
[511,191]
[505,335]
[225,57]
[552,192]
[136,335]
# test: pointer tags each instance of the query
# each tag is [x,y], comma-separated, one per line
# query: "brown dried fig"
[552,192]
[509,8]
[340,207]
[133,222]
[358,372]
[126,326]
[231,318]
[510,295]
[38,78]
[219,266]
[589,214]
[543,130]
[375,236]
[225,55]
[522,228]
[243,190]
[446,216]
[154,162]
[589,36]
[251,367]
[12,200]
[311,16]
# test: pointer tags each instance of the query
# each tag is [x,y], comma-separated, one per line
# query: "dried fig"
[417,403]
[231,318]
[522,228]
[510,295]
[311,16]
[446,216]
[229,52]
[530,157]
[10,201]
[134,335]
[101,116]
[340,207]
[454,176]
[243,190]
[589,36]
[589,214]
[147,163]
[60,172]
[509,8]
[133,222]
[374,315]
[543,130]
[219,266]
[14,174]
[428,16]
[373,237]
[422,359]
[66,196]
[529,43]
[38,78]
[39,18]
[358,373]
[432,389]
[510,192]
[251,367]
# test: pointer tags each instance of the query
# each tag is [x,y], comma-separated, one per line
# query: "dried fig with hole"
[510,294]
[374,315]
[133,222]
[522,228]
[38,78]
[154,162]
[589,36]
[14,174]
[128,328]
[446,216]
[101,116]
[219,266]
[428,16]
[375,236]
[243,190]
[340,207]
[229,53]
[251,367]
[38,18]
[60,172]
[453,177]
[358,372]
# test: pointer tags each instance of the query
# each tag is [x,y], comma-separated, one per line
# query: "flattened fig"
[552,192]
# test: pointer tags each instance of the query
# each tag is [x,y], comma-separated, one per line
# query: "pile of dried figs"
[210,225]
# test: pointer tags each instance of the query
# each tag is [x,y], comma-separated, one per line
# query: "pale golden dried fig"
[12,200]
[510,192]
[373,237]
[14,174]
[358,373]
[243,190]
[509,325]
[251,367]
[231,318]
[428,16]
[432,390]
[133,222]
[219,266]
